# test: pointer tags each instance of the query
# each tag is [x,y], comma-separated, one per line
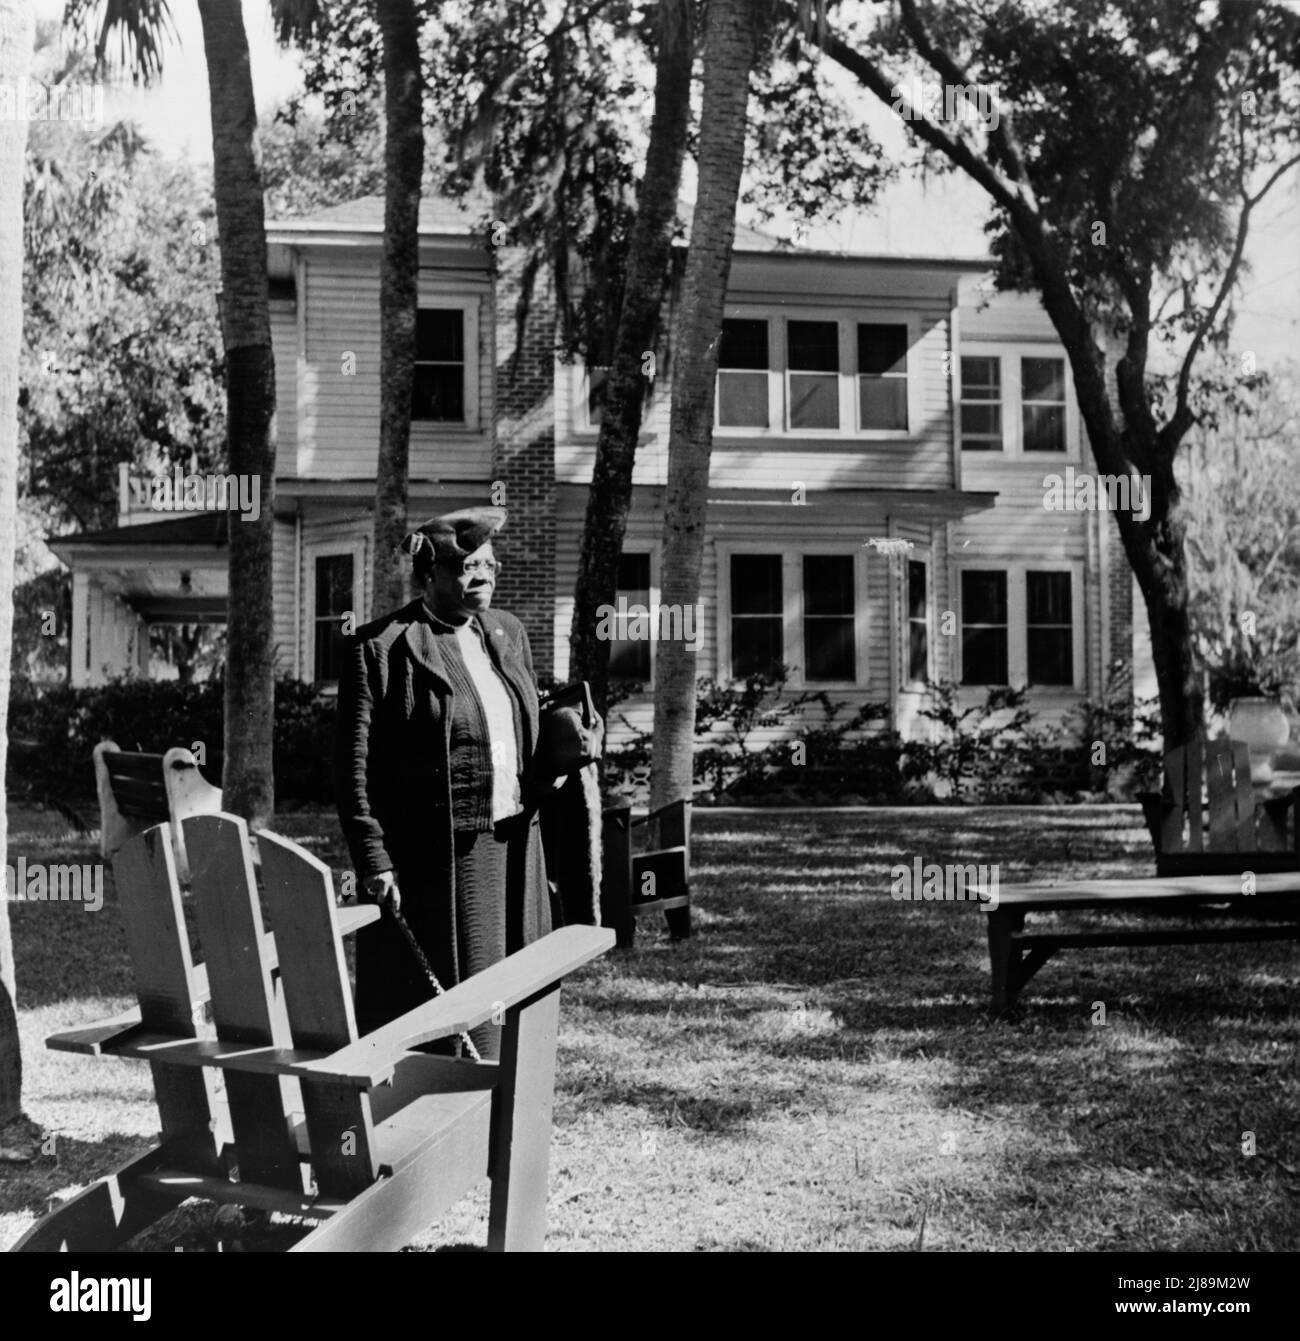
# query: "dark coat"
[393,792]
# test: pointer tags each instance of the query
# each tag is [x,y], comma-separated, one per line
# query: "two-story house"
[877,506]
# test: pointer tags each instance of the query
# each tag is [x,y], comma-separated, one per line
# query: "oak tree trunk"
[398,291]
[17,35]
[626,386]
[730,47]
[247,778]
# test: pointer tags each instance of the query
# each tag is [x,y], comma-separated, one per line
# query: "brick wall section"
[523,455]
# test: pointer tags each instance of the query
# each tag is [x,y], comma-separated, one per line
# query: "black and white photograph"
[651,626]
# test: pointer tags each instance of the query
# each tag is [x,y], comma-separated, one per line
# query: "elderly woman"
[437,728]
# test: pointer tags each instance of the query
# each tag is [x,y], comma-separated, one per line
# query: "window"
[757,615]
[828,625]
[813,360]
[882,376]
[918,622]
[1017,626]
[596,378]
[1014,400]
[1049,636]
[981,404]
[629,652]
[742,374]
[335,575]
[1042,404]
[439,390]
[983,626]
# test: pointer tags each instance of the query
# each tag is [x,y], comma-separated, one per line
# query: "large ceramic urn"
[1262,725]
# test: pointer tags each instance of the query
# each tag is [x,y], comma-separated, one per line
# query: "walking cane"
[438,989]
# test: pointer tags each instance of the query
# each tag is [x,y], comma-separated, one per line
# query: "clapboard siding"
[1008,316]
[284,349]
[284,596]
[339,429]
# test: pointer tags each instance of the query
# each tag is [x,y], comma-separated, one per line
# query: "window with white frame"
[797,610]
[1021,625]
[443,390]
[629,652]
[829,638]
[743,363]
[813,374]
[757,615]
[817,374]
[981,403]
[918,621]
[1015,400]
[882,375]
[595,377]
[334,579]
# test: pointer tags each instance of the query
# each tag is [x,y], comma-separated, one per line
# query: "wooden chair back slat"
[144,873]
[141,799]
[1221,796]
[1193,775]
[130,766]
[243,1005]
[1247,840]
[300,899]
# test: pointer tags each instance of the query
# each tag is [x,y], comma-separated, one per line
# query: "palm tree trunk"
[399,289]
[17,35]
[610,496]
[730,46]
[247,779]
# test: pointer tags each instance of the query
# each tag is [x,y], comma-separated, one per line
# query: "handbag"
[571,732]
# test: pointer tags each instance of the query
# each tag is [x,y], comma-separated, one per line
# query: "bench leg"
[1004,957]
[521,1125]
[679,923]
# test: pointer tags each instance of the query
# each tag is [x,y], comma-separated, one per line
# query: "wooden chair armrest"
[99,1038]
[1282,801]
[370,1060]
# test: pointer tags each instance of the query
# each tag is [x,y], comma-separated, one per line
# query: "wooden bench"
[1209,819]
[137,791]
[361,1138]
[635,884]
[1272,912]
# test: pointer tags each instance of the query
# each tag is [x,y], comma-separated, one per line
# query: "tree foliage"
[122,358]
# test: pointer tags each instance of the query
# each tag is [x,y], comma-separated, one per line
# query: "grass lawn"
[816,1069]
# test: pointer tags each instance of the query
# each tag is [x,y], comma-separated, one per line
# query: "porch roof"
[171,571]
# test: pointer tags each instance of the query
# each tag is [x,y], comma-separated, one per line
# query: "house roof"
[366,215]
[441,217]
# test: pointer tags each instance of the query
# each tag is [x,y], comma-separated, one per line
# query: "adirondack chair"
[137,791]
[389,1138]
[1209,821]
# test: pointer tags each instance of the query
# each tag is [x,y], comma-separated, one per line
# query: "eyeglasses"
[481,568]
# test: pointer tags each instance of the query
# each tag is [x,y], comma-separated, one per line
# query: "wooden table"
[1271,913]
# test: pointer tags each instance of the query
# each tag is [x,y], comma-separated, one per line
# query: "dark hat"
[453,536]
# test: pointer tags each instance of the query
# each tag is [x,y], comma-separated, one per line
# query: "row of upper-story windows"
[846,377]
[805,377]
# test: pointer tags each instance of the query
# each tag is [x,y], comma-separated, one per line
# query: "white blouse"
[495,698]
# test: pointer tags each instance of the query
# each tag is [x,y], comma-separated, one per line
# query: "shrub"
[53,732]
[987,751]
